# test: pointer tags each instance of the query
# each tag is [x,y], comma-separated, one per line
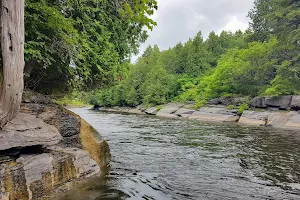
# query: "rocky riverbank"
[279,112]
[45,147]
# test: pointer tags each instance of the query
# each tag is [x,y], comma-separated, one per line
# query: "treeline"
[264,60]
[82,44]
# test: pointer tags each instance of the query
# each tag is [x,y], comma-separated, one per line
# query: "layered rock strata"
[45,147]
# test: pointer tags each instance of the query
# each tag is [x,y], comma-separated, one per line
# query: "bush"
[242,108]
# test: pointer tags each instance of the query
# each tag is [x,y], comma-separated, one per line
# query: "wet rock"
[295,104]
[281,102]
[27,130]
[96,107]
[169,110]
[43,172]
[151,111]
[254,118]
[219,114]
[258,102]
[84,165]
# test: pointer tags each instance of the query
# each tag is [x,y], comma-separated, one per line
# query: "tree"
[12,46]
[280,18]
[83,42]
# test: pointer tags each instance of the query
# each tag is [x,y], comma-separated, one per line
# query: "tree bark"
[12,45]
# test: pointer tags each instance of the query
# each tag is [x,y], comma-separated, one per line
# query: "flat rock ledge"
[28,130]
[272,117]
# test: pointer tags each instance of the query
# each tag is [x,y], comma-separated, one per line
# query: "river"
[162,159]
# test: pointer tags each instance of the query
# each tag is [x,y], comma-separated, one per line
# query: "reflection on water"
[165,159]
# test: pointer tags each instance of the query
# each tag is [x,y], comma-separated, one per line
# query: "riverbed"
[162,159]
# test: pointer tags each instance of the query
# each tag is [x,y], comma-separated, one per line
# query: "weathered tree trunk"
[12,45]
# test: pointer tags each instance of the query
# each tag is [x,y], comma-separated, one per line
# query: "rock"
[85,166]
[96,107]
[258,102]
[42,172]
[141,108]
[151,111]
[281,102]
[226,101]
[169,110]
[219,114]
[33,97]
[12,182]
[293,121]
[214,101]
[295,104]
[183,112]
[68,125]
[189,105]
[254,118]
[277,119]
[273,109]
[27,130]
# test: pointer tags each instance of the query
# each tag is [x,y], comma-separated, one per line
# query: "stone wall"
[45,147]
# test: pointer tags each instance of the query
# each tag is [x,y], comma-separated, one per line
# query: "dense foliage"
[264,60]
[85,43]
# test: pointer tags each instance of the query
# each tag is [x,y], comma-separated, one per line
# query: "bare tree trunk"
[12,45]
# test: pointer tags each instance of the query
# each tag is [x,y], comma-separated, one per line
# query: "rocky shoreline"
[278,112]
[45,147]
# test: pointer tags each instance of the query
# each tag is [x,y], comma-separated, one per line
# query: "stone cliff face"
[46,146]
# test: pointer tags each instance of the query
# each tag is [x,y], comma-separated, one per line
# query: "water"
[162,159]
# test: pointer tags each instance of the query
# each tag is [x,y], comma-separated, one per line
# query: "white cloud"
[179,20]
[234,24]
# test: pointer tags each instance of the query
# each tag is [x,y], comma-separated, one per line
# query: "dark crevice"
[14,153]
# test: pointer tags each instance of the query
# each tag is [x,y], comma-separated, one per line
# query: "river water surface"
[162,159]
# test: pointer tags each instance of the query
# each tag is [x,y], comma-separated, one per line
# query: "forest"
[263,60]
[81,49]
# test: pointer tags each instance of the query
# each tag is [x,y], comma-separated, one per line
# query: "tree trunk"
[12,45]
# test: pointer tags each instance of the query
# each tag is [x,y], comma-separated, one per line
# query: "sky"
[179,20]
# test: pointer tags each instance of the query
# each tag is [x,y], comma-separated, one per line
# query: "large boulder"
[254,118]
[169,110]
[258,102]
[218,114]
[28,130]
[229,100]
[214,101]
[281,102]
[295,104]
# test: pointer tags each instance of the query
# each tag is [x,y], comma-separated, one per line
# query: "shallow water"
[162,159]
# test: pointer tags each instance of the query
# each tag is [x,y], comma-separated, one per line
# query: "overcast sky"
[179,20]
